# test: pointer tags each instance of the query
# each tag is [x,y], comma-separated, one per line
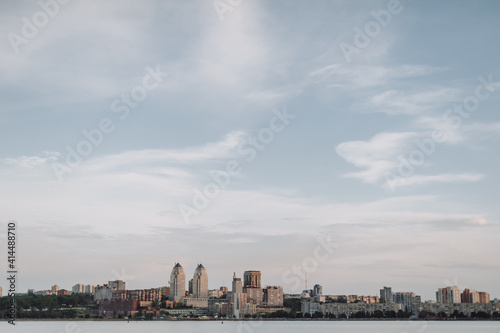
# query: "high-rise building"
[251,279]
[1,291]
[118,284]
[237,285]
[224,289]
[448,295]
[273,297]
[54,289]
[317,290]
[470,296]
[408,300]
[484,298]
[177,283]
[78,288]
[251,287]
[190,287]
[90,289]
[386,294]
[239,299]
[200,282]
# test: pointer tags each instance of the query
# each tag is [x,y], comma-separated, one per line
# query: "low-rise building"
[113,307]
[466,308]
[196,302]
[347,309]
[219,306]
[215,293]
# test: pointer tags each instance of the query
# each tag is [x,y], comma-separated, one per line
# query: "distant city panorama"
[247,298]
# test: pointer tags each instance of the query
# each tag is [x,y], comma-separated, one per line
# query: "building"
[54,289]
[113,307]
[469,296]
[177,283]
[484,298]
[317,290]
[448,295]
[215,293]
[251,279]
[141,295]
[90,289]
[118,284]
[62,292]
[251,287]
[273,296]
[409,301]
[190,287]
[347,309]
[1,291]
[78,288]
[465,308]
[104,292]
[224,289]
[357,299]
[200,282]
[254,295]
[165,291]
[238,298]
[196,302]
[219,306]
[386,294]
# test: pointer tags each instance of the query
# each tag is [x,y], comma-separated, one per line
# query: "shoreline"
[252,320]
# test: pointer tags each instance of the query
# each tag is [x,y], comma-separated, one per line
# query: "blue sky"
[223,72]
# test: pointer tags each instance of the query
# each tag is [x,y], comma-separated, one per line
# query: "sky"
[355,141]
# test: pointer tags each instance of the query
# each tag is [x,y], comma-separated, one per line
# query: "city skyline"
[252,279]
[352,142]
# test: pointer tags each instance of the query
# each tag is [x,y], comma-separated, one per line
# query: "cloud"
[396,102]
[383,153]
[441,178]
[223,149]
[341,75]
[459,223]
[32,161]
[377,155]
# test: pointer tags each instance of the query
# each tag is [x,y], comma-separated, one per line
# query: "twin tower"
[178,283]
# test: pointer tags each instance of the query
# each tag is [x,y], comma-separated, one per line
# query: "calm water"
[253,327]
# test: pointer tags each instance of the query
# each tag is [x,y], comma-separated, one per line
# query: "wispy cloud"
[341,75]
[377,155]
[441,178]
[397,102]
[32,161]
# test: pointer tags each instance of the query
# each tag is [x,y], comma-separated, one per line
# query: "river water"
[253,327]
